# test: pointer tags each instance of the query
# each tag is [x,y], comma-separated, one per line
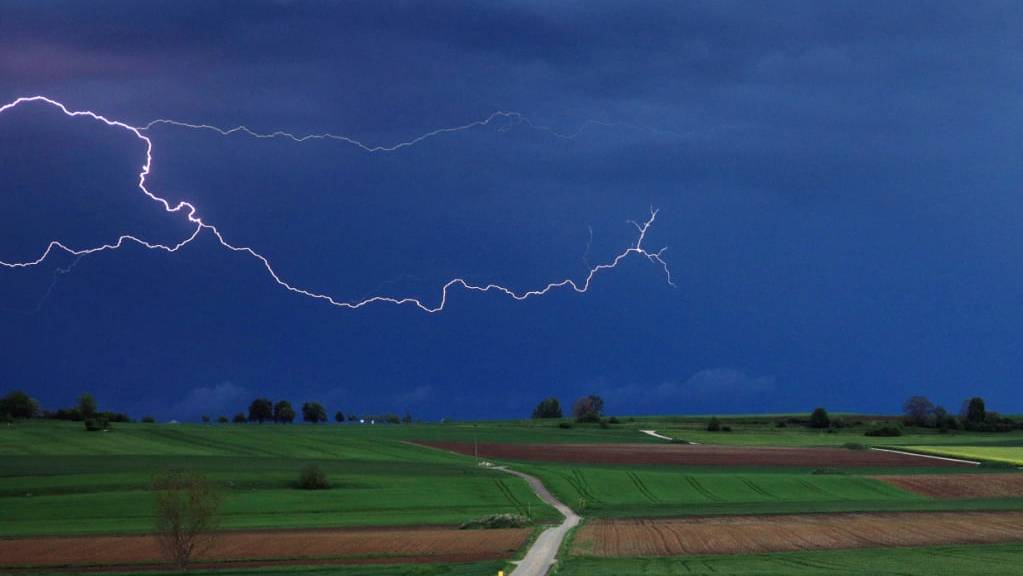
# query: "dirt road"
[543,553]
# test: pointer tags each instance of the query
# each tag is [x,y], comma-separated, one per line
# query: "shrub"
[819,419]
[187,515]
[97,424]
[222,420]
[148,420]
[312,478]
[240,418]
[726,428]
[714,425]
[854,446]
[884,430]
[565,425]
[548,408]
[496,521]
[613,420]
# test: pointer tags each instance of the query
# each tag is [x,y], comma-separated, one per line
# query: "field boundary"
[922,455]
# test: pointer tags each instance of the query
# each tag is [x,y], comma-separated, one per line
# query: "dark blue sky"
[838,183]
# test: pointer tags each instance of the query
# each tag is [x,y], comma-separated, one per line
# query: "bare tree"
[187,506]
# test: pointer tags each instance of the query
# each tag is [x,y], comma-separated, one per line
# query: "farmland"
[59,482]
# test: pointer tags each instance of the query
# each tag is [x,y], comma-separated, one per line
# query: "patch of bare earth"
[341,546]
[686,454]
[960,485]
[756,534]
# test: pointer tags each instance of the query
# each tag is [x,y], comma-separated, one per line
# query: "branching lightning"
[191,213]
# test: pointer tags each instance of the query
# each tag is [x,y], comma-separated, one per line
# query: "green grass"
[1009,454]
[74,482]
[976,560]
[619,491]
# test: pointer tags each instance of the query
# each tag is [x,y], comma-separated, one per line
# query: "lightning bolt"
[191,213]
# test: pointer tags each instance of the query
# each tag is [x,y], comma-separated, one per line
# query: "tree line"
[18,405]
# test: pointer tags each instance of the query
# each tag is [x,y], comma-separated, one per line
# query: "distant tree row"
[17,405]
[264,410]
[973,415]
[587,409]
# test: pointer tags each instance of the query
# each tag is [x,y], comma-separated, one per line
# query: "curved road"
[542,554]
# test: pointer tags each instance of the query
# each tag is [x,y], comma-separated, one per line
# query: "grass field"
[978,560]
[620,491]
[1004,453]
[75,482]
[57,479]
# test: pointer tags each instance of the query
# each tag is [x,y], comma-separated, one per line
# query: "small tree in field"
[819,419]
[548,408]
[187,506]
[86,406]
[588,408]
[261,410]
[975,411]
[283,412]
[314,412]
[917,409]
[339,417]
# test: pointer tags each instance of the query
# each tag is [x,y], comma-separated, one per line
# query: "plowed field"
[960,485]
[341,545]
[755,534]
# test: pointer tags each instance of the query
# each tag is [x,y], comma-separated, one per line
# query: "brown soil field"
[960,485]
[755,534]
[702,454]
[368,545]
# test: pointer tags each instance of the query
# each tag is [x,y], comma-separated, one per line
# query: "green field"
[980,560]
[1008,454]
[57,479]
[650,491]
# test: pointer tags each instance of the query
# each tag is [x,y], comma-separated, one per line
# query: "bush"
[240,418]
[819,419]
[714,425]
[854,446]
[148,420]
[96,424]
[496,521]
[613,420]
[726,428]
[885,430]
[312,478]
[565,425]
[222,420]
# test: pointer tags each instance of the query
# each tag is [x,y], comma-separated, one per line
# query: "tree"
[314,412]
[714,425]
[205,419]
[86,406]
[975,411]
[588,408]
[917,409]
[261,410]
[407,418]
[339,417]
[548,408]
[239,418]
[819,419]
[283,412]
[18,404]
[186,519]
[222,420]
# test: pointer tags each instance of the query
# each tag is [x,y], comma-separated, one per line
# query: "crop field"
[1008,454]
[396,503]
[757,534]
[268,547]
[693,455]
[972,560]
[960,485]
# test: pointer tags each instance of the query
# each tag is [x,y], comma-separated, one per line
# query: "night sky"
[838,186]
